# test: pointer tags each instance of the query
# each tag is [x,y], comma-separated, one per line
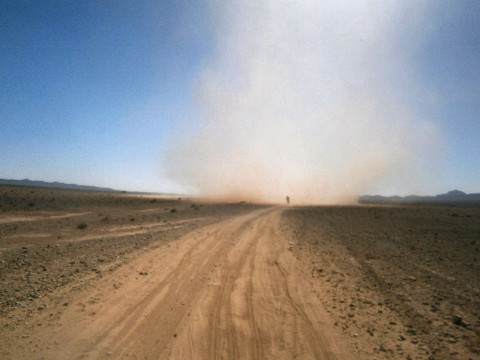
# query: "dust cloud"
[312,99]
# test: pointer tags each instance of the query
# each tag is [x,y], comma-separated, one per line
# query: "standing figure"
[288,200]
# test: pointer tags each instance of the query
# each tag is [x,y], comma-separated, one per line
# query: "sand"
[234,281]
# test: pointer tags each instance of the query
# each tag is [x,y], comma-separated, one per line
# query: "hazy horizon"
[278,201]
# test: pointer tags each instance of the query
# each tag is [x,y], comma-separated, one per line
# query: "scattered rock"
[458,320]
[82,226]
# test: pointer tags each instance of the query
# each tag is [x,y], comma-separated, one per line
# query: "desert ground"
[90,275]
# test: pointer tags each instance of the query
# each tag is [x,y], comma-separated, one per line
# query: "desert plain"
[93,275]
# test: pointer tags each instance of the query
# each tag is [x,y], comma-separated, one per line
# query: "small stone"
[458,320]
[411,331]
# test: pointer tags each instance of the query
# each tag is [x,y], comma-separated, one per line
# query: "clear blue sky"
[450,63]
[90,91]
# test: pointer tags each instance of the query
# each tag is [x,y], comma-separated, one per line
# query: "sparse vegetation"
[195,207]
[82,226]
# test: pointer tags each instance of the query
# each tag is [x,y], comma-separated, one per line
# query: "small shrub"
[82,226]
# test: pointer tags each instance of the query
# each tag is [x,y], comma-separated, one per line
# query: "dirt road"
[230,290]
[149,278]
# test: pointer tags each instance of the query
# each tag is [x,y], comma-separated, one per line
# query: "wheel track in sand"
[230,290]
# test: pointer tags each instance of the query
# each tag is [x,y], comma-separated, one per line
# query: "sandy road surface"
[231,290]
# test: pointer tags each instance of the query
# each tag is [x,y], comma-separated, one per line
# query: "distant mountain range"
[455,197]
[58,185]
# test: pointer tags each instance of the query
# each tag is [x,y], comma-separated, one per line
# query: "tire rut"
[231,290]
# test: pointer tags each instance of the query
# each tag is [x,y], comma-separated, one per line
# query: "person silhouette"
[288,199]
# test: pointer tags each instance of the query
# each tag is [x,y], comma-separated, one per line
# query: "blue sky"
[92,92]
[449,63]
[89,91]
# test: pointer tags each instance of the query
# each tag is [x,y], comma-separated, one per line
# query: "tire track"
[227,291]
[256,313]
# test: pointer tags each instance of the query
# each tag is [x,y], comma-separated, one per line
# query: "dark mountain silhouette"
[58,185]
[454,197]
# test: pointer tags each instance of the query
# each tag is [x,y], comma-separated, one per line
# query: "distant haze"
[312,99]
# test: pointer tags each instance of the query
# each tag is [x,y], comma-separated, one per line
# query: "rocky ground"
[55,242]
[401,282]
